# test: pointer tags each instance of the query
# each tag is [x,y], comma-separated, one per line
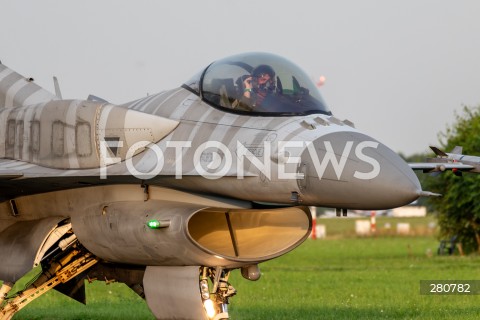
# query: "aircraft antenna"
[57,88]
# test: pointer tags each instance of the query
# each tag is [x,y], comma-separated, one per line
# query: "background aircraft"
[455,161]
[173,191]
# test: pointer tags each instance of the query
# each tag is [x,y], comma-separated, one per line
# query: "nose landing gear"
[216,296]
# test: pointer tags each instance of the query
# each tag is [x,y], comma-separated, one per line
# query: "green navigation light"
[153,224]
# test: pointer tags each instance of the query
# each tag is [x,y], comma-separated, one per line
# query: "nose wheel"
[215,291]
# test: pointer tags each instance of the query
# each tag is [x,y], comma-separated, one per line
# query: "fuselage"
[212,150]
[177,140]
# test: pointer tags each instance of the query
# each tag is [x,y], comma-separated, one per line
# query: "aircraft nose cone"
[354,171]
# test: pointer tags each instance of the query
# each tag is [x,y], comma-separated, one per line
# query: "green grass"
[334,278]
[113,301]
[364,278]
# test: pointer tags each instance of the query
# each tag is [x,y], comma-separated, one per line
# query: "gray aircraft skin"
[171,192]
[444,161]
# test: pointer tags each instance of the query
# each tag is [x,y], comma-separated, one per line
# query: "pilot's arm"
[247,85]
[245,101]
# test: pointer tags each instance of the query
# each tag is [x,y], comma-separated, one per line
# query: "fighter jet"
[454,161]
[172,192]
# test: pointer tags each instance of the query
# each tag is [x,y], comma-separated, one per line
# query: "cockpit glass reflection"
[260,84]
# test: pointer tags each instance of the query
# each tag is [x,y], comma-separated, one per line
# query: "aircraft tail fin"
[18,91]
[457,150]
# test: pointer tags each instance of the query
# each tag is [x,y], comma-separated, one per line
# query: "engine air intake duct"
[249,235]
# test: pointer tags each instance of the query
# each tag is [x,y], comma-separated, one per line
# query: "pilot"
[256,87]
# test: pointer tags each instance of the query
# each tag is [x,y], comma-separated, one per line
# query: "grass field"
[334,278]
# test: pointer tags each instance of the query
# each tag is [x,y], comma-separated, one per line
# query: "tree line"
[458,209]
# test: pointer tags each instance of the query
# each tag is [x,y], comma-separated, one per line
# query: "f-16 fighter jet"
[454,161]
[173,191]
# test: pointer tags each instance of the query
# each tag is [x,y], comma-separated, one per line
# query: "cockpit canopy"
[258,84]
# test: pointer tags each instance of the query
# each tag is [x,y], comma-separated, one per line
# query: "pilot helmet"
[263,78]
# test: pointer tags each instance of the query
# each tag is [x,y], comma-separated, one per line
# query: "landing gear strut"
[216,297]
[44,277]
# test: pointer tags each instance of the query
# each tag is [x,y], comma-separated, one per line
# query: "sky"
[400,70]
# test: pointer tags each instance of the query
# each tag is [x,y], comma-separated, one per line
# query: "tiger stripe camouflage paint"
[203,170]
[77,129]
